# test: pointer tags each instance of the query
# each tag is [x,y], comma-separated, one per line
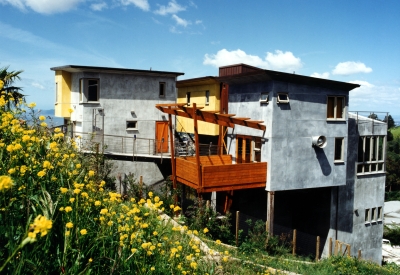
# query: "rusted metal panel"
[237,69]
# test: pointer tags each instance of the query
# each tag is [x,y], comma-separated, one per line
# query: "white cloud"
[141,4]
[198,22]
[180,21]
[38,85]
[98,6]
[284,61]
[323,75]
[44,6]
[351,67]
[173,29]
[370,97]
[172,8]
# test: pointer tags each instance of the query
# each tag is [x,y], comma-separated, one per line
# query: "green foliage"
[259,239]
[200,216]
[392,233]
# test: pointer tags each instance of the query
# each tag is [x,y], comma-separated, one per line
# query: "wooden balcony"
[218,173]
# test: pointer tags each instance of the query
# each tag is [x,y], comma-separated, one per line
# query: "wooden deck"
[218,173]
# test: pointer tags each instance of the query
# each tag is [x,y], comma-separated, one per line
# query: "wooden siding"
[219,174]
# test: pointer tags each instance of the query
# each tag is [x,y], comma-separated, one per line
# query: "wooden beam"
[270,213]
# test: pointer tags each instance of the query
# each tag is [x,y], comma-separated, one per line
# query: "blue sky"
[350,41]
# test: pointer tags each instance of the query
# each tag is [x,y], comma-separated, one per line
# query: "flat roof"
[78,68]
[197,81]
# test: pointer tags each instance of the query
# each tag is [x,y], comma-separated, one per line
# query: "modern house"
[115,107]
[290,153]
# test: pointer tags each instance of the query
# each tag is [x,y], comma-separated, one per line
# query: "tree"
[390,121]
[11,93]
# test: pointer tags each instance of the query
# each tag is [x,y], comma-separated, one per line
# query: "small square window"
[188,98]
[161,92]
[339,149]
[264,98]
[283,98]
[131,125]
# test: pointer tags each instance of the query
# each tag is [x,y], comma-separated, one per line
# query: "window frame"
[188,98]
[266,100]
[334,110]
[131,128]
[84,90]
[207,94]
[367,216]
[282,101]
[341,159]
[372,160]
[161,89]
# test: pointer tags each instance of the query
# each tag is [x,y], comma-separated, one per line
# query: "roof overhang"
[91,69]
[267,75]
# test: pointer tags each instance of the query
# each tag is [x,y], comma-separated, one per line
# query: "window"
[161,92]
[379,217]
[89,90]
[373,214]
[264,98]
[131,125]
[248,149]
[335,108]
[367,217]
[371,154]
[283,98]
[188,98]
[207,97]
[339,149]
[56,92]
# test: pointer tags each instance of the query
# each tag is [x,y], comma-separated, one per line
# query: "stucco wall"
[292,161]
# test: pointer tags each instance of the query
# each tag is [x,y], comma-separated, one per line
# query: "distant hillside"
[51,119]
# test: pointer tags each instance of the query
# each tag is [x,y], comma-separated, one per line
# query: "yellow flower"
[193,265]
[218,242]
[64,190]
[177,208]
[83,232]
[205,230]
[97,203]
[5,183]
[43,124]
[41,225]
[41,173]
[77,191]
[103,211]
[46,164]
[68,209]
[91,173]
[152,268]
[85,195]
[71,200]
[110,223]
[11,171]
[67,233]
[155,233]
[69,225]
[150,194]
[78,166]
[32,105]
[133,250]
[42,118]
[90,260]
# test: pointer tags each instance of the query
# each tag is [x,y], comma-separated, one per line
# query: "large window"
[335,108]
[371,154]
[89,90]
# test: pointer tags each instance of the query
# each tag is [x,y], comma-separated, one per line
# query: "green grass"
[395,131]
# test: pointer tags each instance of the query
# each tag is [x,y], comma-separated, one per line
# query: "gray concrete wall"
[292,161]
[361,192]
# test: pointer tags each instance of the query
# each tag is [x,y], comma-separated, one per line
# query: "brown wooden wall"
[235,176]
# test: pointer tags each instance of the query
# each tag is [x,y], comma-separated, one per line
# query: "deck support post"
[196,143]
[172,148]
[270,212]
